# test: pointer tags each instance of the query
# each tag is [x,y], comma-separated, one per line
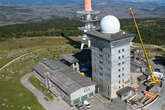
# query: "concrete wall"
[121,75]
[82,92]
[101,65]
[107,66]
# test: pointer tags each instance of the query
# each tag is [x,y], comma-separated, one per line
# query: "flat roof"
[124,91]
[63,76]
[110,37]
[78,56]
[142,77]
[70,58]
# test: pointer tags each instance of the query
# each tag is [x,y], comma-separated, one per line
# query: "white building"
[110,57]
[63,81]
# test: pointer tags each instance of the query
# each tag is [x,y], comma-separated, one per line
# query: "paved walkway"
[56,104]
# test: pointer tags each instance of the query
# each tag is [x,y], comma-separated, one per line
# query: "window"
[122,50]
[122,56]
[119,87]
[119,82]
[122,74]
[119,76]
[119,70]
[100,62]
[123,68]
[100,55]
[91,94]
[101,68]
[119,57]
[119,64]
[123,80]
[100,49]
[119,51]
[123,62]
[101,74]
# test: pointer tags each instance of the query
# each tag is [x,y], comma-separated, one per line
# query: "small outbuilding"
[125,93]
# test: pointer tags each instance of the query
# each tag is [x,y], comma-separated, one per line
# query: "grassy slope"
[13,96]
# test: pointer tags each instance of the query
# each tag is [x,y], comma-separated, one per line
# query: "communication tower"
[88,16]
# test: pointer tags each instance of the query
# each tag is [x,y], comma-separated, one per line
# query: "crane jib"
[154,79]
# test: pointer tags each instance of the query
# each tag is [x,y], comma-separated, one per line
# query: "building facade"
[110,61]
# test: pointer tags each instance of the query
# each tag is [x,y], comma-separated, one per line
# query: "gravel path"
[56,104]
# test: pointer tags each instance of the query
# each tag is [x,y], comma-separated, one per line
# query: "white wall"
[83,91]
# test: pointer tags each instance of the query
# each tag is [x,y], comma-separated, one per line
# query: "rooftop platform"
[110,37]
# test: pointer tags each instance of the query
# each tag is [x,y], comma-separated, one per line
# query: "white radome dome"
[110,25]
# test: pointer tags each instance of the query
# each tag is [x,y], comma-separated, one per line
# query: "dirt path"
[13,61]
[147,46]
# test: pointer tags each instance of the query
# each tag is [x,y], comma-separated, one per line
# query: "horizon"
[65,2]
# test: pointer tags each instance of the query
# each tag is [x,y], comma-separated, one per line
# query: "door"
[84,97]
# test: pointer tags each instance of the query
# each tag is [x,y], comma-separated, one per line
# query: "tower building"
[110,48]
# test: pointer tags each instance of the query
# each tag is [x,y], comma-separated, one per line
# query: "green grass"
[13,96]
[36,83]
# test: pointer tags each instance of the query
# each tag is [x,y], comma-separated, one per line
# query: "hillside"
[153,30]
[11,14]
[62,2]
[13,95]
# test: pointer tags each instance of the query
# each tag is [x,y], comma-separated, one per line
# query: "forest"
[152,30]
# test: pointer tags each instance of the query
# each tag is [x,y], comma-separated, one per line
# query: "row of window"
[121,69]
[122,81]
[120,57]
[121,86]
[76,101]
[121,75]
[119,51]
[121,63]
